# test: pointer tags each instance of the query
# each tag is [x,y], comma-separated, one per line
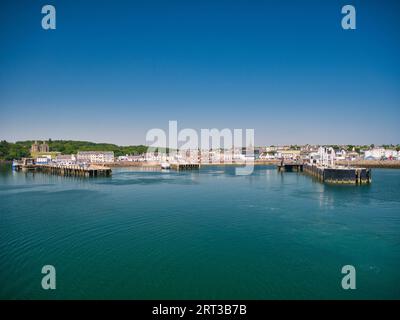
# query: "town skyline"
[71,153]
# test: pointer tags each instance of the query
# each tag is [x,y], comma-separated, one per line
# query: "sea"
[144,233]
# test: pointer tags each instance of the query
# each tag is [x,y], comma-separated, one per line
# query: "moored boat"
[165,165]
[15,164]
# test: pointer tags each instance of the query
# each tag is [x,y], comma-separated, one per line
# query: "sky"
[112,70]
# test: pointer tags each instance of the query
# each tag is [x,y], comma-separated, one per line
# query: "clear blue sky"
[114,69]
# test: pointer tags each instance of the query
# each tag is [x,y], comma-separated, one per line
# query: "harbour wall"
[339,175]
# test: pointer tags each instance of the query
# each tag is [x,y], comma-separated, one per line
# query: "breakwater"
[339,175]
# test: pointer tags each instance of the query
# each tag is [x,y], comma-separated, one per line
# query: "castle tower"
[35,147]
[44,147]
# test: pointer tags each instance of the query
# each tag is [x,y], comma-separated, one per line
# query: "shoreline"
[377,164]
[124,164]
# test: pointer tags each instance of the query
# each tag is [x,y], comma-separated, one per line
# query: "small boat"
[15,164]
[165,165]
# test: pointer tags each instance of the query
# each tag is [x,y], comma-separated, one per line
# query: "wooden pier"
[185,166]
[25,164]
[290,167]
[68,170]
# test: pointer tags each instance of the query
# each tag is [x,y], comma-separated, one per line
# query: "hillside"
[19,149]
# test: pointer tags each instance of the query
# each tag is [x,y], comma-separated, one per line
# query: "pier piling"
[69,170]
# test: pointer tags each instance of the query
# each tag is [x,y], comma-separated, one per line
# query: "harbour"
[174,152]
[323,166]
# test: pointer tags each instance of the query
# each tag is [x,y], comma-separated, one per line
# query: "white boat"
[15,164]
[165,165]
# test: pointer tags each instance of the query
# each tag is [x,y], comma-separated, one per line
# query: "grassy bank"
[20,149]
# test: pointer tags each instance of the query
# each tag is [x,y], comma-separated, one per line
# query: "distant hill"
[10,151]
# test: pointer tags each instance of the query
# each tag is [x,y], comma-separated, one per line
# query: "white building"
[325,156]
[128,158]
[271,149]
[288,154]
[95,156]
[270,155]
[65,159]
[380,153]
[155,156]
[341,154]
[43,160]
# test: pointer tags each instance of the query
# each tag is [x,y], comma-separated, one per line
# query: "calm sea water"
[189,235]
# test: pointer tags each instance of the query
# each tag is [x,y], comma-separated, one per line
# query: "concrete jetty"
[339,175]
[330,174]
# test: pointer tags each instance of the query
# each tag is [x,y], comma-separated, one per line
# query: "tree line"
[20,149]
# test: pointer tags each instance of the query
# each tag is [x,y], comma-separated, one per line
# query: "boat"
[15,164]
[165,165]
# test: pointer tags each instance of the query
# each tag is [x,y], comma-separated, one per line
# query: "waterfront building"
[154,156]
[352,156]
[308,149]
[65,159]
[134,158]
[327,156]
[314,158]
[43,160]
[270,155]
[341,154]
[257,152]
[95,156]
[227,156]
[271,149]
[288,154]
[305,154]
[374,154]
[380,154]
[204,156]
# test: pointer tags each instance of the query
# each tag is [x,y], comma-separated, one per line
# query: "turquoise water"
[194,235]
